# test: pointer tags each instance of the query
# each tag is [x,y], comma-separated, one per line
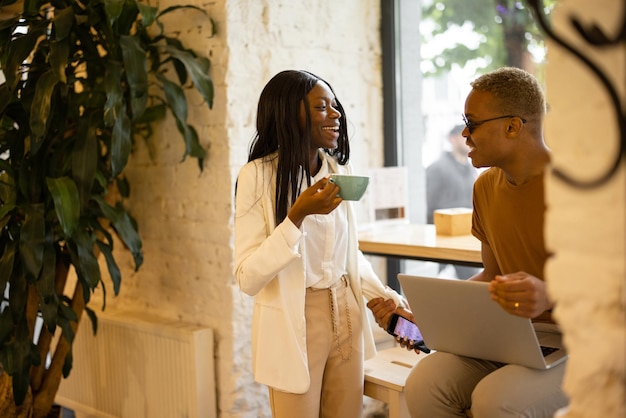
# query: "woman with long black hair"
[296,252]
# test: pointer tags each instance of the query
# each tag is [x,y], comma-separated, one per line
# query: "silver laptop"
[458,316]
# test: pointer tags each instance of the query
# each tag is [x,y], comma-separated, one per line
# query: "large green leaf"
[31,182]
[127,21]
[66,312]
[121,143]
[32,238]
[179,7]
[94,319]
[124,228]
[40,108]
[60,45]
[18,293]
[25,354]
[152,113]
[49,301]
[114,270]
[135,63]
[175,98]
[68,334]
[179,67]
[192,142]
[5,215]
[75,261]
[59,54]
[198,70]
[85,157]
[148,13]
[31,7]
[66,202]
[7,188]
[88,268]
[104,296]
[68,363]
[113,9]
[103,234]
[113,88]
[178,104]
[65,317]
[19,49]
[63,22]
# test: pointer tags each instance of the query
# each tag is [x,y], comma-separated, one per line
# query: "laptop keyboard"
[548,350]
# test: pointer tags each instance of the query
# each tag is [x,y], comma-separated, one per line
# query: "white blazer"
[272,271]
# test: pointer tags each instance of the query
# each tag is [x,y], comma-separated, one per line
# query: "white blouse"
[326,241]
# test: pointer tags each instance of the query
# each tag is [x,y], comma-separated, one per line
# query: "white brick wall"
[587,228]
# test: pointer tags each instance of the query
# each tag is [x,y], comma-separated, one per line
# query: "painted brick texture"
[587,228]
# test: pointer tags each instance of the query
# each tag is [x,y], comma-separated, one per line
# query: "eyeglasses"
[473,125]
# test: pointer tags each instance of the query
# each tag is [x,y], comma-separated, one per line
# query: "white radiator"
[139,366]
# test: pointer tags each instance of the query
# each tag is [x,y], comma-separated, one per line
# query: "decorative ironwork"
[597,38]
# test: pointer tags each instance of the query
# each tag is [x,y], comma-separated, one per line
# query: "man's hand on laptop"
[520,294]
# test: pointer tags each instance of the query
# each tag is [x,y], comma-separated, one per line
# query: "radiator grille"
[140,366]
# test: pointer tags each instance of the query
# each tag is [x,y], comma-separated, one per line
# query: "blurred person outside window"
[449,183]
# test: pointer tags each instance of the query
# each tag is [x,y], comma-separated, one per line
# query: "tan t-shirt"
[510,220]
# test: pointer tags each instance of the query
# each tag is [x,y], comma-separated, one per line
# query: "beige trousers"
[335,355]
[445,385]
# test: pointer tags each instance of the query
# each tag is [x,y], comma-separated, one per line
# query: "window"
[420,111]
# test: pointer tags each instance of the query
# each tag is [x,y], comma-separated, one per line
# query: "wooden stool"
[385,376]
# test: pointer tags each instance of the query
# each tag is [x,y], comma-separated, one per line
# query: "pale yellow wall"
[586,228]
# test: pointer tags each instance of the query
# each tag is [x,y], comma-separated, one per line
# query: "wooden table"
[419,242]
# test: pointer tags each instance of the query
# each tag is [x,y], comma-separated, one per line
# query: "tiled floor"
[374,409]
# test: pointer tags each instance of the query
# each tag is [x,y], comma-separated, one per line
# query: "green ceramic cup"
[350,187]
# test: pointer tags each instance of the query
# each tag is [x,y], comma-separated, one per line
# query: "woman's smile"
[332,130]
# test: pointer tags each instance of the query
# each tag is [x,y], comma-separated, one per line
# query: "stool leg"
[397,405]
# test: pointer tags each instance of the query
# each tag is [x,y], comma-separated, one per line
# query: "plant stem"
[44,398]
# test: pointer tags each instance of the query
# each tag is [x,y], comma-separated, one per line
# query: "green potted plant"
[82,81]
